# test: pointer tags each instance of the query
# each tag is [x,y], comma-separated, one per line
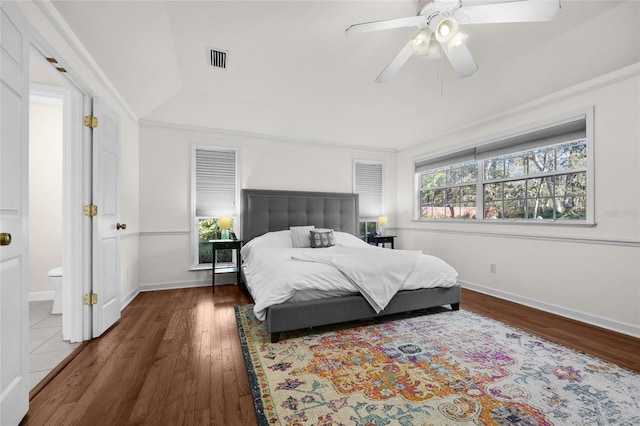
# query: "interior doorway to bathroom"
[56,326]
[47,345]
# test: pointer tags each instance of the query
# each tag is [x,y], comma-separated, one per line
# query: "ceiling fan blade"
[461,59]
[413,21]
[397,63]
[516,11]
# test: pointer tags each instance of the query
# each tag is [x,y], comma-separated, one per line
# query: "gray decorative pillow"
[320,238]
[300,236]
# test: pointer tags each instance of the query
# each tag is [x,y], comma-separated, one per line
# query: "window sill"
[579,224]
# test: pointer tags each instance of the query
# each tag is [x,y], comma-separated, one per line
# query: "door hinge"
[90,121]
[90,210]
[90,299]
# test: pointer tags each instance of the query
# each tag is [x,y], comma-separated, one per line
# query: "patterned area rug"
[437,369]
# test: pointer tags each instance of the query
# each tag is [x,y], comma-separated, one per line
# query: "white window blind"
[368,184]
[215,177]
[570,129]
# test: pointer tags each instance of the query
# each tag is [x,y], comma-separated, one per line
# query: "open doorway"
[52,321]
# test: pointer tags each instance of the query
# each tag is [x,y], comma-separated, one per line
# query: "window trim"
[194,220]
[461,154]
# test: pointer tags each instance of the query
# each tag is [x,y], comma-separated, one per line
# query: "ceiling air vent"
[218,58]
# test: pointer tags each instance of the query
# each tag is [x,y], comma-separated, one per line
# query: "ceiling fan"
[441,20]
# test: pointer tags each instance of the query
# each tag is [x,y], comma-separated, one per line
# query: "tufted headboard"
[272,210]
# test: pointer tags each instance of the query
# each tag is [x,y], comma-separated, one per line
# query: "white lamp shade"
[446,29]
[457,40]
[421,41]
[382,221]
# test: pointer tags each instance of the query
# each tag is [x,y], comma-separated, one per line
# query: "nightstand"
[226,245]
[381,239]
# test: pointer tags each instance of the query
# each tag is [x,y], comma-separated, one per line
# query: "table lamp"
[382,222]
[224,223]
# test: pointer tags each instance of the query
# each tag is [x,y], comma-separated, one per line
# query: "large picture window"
[214,194]
[542,175]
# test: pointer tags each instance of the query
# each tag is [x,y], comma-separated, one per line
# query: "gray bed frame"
[272,210]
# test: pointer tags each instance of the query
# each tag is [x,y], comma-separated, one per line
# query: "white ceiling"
[293,74]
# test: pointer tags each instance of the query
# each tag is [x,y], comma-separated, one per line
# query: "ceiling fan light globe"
[446,29]
[421,41]
[457,40]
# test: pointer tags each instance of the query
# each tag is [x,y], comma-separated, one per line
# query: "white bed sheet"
[273,277]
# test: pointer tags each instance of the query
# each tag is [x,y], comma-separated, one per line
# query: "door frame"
[76,182]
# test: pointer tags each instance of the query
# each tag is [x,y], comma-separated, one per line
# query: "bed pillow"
[320,238]
[300,236]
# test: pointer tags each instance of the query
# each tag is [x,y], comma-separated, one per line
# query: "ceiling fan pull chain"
[441,73]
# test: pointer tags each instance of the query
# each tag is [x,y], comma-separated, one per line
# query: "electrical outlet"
[492,268]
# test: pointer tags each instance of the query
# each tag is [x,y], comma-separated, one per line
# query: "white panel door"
[106,195]
[14,304]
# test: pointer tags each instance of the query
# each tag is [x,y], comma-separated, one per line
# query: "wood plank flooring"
[174,358]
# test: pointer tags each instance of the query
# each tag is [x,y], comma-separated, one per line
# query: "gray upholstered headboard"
[271,210]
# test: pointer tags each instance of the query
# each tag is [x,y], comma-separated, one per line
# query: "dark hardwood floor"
[618,348]
[174,358]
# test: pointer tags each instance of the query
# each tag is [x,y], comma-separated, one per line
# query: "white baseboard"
[620,327]
[175,285]
[39,296]
[162,286]
[129,297]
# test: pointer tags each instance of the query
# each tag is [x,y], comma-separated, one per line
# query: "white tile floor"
[46,347]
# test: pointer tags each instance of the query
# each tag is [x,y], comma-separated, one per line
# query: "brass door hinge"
[90,210]
[90,299]
[90,121]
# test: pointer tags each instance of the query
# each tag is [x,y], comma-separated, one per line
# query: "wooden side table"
[381,239]
[226,245]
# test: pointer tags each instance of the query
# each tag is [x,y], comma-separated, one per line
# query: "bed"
[271,213]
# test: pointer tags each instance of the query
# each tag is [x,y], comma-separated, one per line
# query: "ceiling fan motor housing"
[435,12]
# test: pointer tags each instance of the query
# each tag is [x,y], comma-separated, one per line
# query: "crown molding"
[262,136]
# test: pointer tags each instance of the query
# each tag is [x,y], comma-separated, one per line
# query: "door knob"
[5,239]
[121,226]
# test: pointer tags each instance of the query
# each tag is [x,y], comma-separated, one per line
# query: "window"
[214,196]
[367,183]
[449,191]
[541,175]
[546,183]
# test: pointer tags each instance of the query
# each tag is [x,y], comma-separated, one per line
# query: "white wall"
[45,194]
[588,273]
[264,163]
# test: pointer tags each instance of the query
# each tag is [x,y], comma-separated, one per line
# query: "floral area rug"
[453,367]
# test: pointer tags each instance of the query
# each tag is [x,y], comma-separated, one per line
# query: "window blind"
[564,132]
[368,184]
[445,160]
[215,176]
[568,130]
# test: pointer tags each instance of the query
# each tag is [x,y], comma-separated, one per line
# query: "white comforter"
[275,272]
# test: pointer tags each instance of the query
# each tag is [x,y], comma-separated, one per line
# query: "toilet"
[55,275]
